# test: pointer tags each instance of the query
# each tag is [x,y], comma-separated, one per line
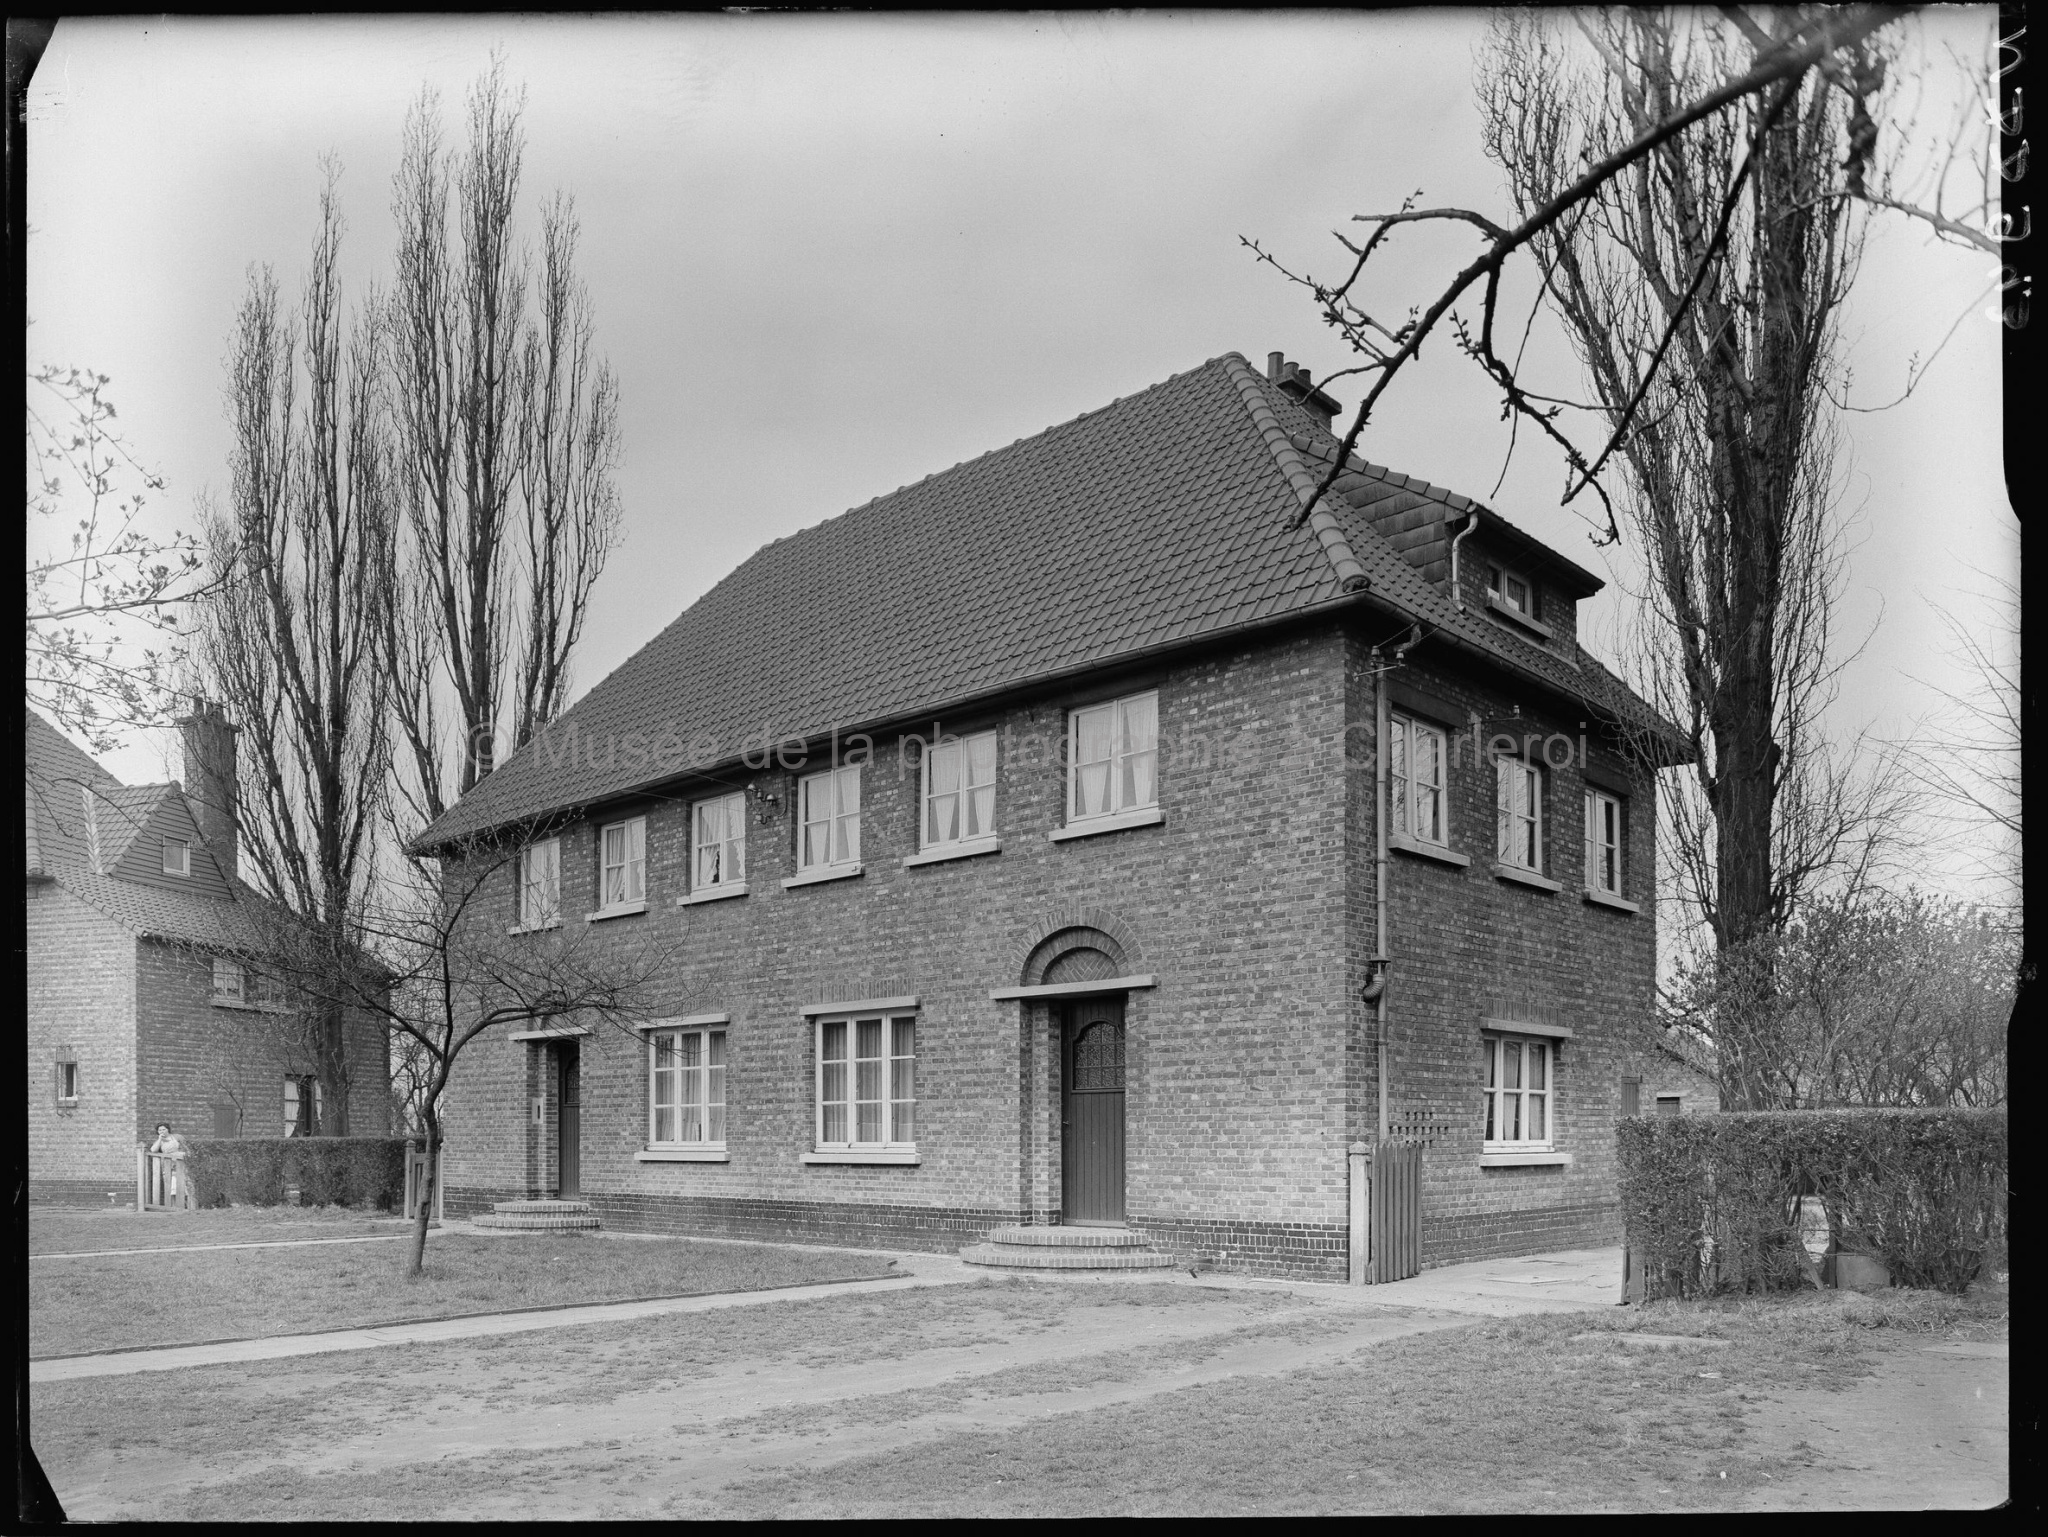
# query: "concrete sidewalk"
[225,1352]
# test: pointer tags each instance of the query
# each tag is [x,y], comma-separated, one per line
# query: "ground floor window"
[1517,1094]
[1670,1104]
[67,1081]
[867,1083]
[686,1088]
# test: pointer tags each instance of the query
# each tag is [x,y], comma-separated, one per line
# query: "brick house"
[1016,837]
[147,999]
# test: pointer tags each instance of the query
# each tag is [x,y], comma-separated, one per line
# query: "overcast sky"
[829,256]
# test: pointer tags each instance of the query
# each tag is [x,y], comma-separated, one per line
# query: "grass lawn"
[1512,1416]
[61,1230]
[113,1302]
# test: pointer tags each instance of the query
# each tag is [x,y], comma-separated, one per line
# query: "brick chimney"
[1294,380]
[210,781]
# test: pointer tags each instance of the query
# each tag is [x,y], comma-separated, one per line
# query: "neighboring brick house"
[147,1001]
[1096,956]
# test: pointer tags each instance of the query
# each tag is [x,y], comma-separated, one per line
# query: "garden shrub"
[327,1171]
[1710,1202]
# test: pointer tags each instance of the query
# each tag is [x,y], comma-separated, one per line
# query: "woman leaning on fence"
[169,1184]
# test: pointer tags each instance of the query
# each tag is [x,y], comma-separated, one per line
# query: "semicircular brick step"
[1066,1248]
[539,1217]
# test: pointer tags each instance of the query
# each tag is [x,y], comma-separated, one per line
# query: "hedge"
[327,1171]
[1710,1203]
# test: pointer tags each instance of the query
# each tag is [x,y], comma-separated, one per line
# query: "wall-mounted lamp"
[766,804]
[1376,979]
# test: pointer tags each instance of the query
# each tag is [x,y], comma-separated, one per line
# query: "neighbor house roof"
[1166,518]
[76,809]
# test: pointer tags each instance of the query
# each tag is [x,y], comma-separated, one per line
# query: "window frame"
[524,885]
[1120,754]
[633,831]
[963,789]
[704,1103]
[64,1066]
[1498,576]
[1401,785]
[184,848]
[1531,775]
[730,849]
[893,1023]
[1594,846]
[832,821]
[1494,1092]
[294,1099]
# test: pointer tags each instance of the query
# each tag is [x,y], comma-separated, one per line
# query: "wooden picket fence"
[161,1182]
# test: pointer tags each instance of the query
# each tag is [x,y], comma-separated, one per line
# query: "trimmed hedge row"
[327,1171]
[1710,1202]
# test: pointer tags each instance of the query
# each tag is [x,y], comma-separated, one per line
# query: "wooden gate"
[415,1177]
[1396,1210]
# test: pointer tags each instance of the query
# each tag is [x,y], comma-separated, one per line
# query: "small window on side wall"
[1603,842]
[1517,1095]
[67,1081]
[1670,1104]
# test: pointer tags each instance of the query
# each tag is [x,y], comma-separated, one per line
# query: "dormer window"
[1512,591]
[177,857]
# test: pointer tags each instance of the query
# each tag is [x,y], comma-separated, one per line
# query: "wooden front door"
[568,1121]
[1092,1112]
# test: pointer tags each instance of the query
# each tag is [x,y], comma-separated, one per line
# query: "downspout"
[1457,592]
[1375,991]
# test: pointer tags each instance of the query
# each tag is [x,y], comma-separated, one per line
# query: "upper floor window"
[718,837]
[867,1083]
[960,790]
[622,873]
[540,884]
[67,1081]
[1418,781]
[686,1088]
[1113,758]
[1603,842]
[1519,806]
[829,817]
[1512,591]
[1518,1088]
[177,857]
[234,983]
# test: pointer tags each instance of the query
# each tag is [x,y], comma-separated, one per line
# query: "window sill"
[253,1008]
[1440,852]
[1151,816]
[713,894]
[899,1156]
[965,849]
[625,910]
[706,1154]
[1609,899]
[1517,617]
[534,928]
[1522,1160]
[1523,877]
[828,873]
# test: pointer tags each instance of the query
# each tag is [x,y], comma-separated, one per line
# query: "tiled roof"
[1167,517]
[55,771]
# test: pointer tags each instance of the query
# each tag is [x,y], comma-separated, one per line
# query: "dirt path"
[1928,1429]
[746,1419]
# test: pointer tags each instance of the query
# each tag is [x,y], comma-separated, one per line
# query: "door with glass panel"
[1092,1118]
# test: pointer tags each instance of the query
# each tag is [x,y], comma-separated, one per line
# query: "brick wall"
[81,1005]
[1468,945]
[1236,1098]
[193,1055]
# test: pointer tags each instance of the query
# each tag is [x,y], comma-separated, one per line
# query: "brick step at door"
[539,1217]
[1066,1248]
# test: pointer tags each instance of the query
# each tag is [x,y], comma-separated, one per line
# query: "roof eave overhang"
[429,846]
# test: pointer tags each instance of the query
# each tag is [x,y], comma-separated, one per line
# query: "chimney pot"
[210,781]
[1276,367]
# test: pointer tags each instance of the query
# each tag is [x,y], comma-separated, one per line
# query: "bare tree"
[508,442]
[103,594]
[291,640]
[440,972]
